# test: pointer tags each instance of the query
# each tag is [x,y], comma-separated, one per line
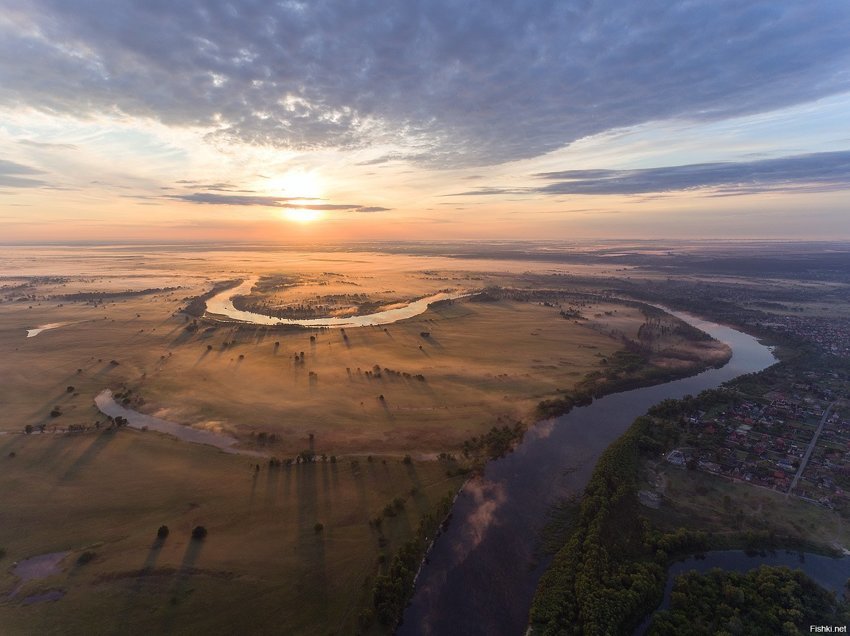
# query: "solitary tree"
[199,533]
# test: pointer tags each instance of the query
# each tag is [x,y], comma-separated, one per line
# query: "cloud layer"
[15,175]
[290,203]
[816,172]
[445,83]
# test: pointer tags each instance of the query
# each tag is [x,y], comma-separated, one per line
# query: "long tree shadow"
[272,477]
[413,474]
[139,582]
[55,448]
[335,475]
[201,357]
[386,408]
[182,338]
[104,369]
[181,582]
[12,444]
[362,495]
[433,340]
[326,490]
[287,482]
[311,537]
[87,456]
[254,479]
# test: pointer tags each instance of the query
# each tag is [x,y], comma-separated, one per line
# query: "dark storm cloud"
[821,172]
[452,83]
[15,175]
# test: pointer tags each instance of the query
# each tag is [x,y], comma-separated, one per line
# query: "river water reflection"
[480,576]
[222,305]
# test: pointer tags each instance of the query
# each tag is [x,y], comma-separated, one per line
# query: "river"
[222,305]
[107,405]
[830,573]
[481,574]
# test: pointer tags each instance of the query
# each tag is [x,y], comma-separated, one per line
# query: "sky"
[422,120]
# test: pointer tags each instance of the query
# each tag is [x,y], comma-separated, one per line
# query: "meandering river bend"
[222,305]
[480,576]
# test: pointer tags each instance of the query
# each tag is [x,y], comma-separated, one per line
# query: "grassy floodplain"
[263,567]
[290,549]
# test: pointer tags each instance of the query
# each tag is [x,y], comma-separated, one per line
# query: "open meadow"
[351,439]
[264,567]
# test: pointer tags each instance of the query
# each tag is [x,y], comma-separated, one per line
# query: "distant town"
[794,438]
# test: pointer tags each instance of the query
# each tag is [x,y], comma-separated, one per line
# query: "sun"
[302,215]
[298,183]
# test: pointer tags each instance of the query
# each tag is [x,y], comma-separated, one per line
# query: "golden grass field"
[483,363]
[263,568]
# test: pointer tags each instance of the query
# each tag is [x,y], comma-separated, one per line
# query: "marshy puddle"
[38,567]
[43,597]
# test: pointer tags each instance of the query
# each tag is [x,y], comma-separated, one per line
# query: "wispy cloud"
[15,175]
[212,198]
[821,171]
[292,203]
[444,83]
[47,145]
[815,172]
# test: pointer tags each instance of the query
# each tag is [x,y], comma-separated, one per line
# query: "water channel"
[107,405]
[481,574]
[222,305]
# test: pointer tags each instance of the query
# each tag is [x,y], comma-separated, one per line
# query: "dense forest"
[611,570]
[765,601]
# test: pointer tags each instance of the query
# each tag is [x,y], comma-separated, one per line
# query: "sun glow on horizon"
[302,215]
[298,183]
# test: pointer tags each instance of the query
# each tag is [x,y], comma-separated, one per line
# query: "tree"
[199,533]
[86,557]
[162,532]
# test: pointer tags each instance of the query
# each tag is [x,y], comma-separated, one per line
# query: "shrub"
[199,533]
[86,557]
[162,532]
